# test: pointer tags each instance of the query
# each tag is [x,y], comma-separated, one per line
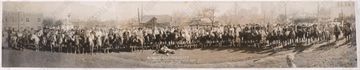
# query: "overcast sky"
[126,10]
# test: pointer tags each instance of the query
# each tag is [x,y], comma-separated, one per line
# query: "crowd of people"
[89,40]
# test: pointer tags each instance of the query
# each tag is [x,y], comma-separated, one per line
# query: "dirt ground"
[322,54]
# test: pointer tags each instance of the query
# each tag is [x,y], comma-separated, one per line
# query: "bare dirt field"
[339,53]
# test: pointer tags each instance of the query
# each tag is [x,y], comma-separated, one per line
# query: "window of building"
[27,20]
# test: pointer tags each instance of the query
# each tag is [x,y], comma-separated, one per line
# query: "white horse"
[36,41]
[13,41]
[90,39]
[98,36]
[52,41]
[187,36]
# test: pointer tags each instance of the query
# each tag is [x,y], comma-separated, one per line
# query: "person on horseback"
[35,41]
[336,31]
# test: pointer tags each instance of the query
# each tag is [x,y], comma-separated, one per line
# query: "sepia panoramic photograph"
[179,34]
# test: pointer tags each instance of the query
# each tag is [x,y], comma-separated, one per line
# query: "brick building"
[22,20]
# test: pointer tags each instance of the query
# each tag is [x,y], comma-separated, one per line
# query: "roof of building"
[159,18]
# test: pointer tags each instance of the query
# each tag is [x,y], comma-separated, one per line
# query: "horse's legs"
[132,48]
[142,47]
[92,50]
[79,50]
[51,48]
[59,48]
[70,48]
[76,49]
[36,48]
[82,50]
[67,48]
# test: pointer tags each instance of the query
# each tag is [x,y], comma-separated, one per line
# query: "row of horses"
[101,40]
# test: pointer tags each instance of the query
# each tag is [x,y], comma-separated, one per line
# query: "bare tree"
[179,18]
[208,13]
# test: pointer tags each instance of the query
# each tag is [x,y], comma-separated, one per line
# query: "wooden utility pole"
[138,15]
[142,12]
[285,10]
[342,12]
[318,11]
